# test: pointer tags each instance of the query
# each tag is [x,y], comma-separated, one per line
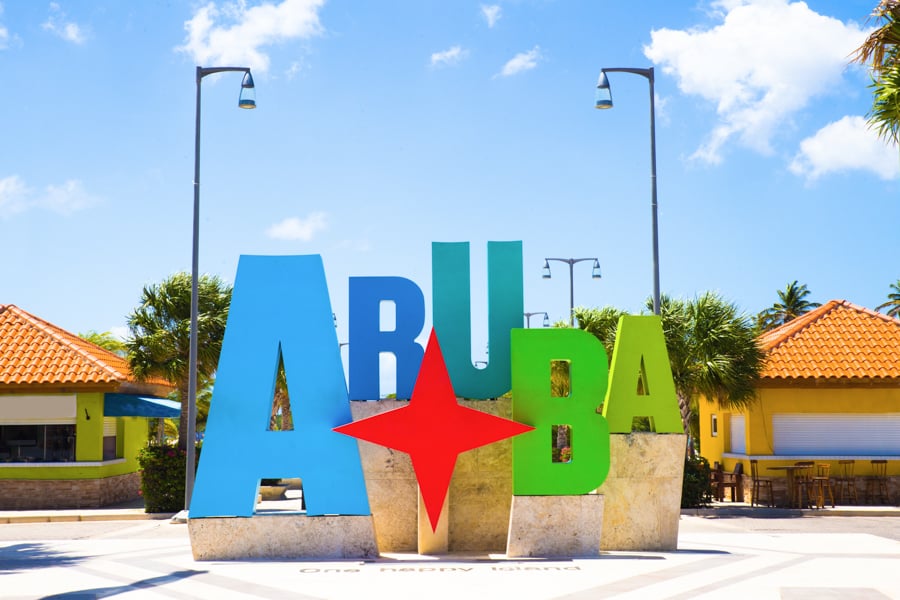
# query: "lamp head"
[595,272]
[248,92]
[603,98]
[546,271]
[546,320]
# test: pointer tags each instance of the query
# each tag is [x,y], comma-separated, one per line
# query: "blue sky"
[382,127]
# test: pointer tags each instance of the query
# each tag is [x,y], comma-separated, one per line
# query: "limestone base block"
[555,526]
[643,492]
[282,537]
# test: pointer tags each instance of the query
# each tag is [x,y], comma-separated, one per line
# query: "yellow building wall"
[790,400]
[131,436]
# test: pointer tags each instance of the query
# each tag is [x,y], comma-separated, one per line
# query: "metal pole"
[195,268]
[571,292]
[192,352]
[648,73]
[653,204]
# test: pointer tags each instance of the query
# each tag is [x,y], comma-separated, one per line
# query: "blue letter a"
[279,302]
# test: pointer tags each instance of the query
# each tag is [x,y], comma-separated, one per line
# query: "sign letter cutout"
[453,319]
[279,304]
[367,340]
[534,472]
[640,356]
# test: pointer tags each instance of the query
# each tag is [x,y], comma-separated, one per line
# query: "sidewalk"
[134,510]
[743,509]
[126,511]
[731,557]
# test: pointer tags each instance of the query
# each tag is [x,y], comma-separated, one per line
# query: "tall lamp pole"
[595,273]
[604,100]
[247,99]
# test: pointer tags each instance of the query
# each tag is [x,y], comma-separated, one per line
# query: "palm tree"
[881,53]
[714,354]
[105,340]
[712,349]
[281,418]
[160,334]
[893,303]
[791,304]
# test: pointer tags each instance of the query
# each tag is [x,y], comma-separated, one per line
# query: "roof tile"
[837,341]
[33,351]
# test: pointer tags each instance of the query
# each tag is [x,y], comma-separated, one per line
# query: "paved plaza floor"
[855,557]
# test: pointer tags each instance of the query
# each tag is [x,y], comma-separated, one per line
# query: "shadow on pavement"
[143,584]
[19,557]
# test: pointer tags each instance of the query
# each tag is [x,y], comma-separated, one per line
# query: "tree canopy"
[881,53]
[159,344]
[791,304]
[893,303]
[712,346]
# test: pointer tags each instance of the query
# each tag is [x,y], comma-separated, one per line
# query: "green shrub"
[696,489]
[162,478]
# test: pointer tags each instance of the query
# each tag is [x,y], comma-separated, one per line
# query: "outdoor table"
[793,495]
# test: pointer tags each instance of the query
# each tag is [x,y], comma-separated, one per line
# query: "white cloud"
[761,65]
[846,145]
[449,57]
[60,27]
[16,197]
[4,37]
[523,61]
[13,192]
[235,34]
[294,228]
[491,13]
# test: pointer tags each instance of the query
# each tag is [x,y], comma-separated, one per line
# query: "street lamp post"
[245,100]
[528,315]
[604,100]
[595,273]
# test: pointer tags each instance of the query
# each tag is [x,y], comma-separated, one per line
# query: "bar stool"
[803,482]
[759,484]
[822,482]
[847,481]
[876,483]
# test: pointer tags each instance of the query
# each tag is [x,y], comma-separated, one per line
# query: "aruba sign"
[280,308]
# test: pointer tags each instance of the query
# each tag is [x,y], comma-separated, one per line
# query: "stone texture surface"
[481,490]
[643,491]
[28,494]
[555,526]
[391,485]
[282,536]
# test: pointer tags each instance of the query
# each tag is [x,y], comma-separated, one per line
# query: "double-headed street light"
[595,273]
[604,100]
[545,322]
[247,99]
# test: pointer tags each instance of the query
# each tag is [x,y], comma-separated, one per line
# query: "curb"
[83,517]
[786,513]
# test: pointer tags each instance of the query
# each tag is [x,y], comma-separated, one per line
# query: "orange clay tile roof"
[35,352]
[838,341]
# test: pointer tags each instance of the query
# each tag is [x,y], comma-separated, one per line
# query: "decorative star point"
[434,429]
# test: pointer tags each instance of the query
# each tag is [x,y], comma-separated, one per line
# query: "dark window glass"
[37,443]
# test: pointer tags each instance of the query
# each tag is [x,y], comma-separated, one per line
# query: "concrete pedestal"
[643,492]
[282,536]
[555,526]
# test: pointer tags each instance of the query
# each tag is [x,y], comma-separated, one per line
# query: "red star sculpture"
[434,429]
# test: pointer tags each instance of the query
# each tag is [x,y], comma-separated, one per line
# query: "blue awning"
[130,405]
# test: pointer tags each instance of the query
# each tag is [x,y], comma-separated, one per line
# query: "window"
[109,438]
[714,425]
[737,434]
[37,443]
